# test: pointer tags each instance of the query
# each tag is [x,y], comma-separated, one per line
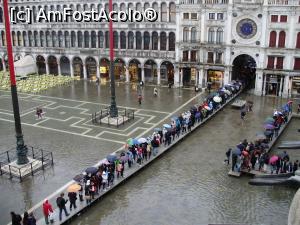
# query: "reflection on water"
[190,185]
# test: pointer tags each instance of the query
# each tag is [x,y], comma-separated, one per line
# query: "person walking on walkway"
[61,204]
[31,219]
[25,220]
[228,153]
[72,197]
[16,219]
[140,99]
[47,210]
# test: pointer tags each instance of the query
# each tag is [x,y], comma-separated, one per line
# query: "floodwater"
[190,185]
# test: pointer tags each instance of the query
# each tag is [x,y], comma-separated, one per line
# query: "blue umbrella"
[91,170]
[174,118]
[167,126]
[111,158]
[157,129]
[236,151]
[135,141]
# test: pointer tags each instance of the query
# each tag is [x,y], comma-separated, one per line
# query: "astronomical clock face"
[246,28]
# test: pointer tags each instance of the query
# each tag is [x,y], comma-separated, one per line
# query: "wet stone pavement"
[188,185]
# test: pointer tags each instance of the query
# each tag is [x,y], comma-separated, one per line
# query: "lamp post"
[113,112]
[21,148]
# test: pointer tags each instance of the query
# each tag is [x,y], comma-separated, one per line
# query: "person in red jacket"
[47,209]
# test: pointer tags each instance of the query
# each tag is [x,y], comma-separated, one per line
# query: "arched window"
[281,41]
[25,40]
[67,39]
[273,37]
[193,34]
[86,39]
[54,39]
[123,40]
[73,39]
[130,40]
[138,40]
[100,39]
[48,39]
[172,12]
[123,7]
[298,40]
[154,40]
[34,13]
[42,39]
[14,39]
[219,35]
[185,34]
[211,35]
[20,39]
[164,12]
[146,6]
[106,39]
[163,41]
[172,41]
[93,40]
[155,7]
[1,15]
[3,38]
[116,39]
[30,38]
[60,39]
[36,38]
[79,39]
[146,40]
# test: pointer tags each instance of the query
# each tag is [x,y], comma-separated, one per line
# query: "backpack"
[58,201]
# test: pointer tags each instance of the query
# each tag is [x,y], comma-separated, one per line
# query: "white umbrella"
[217,99]
[227,92]
[142,140]
[206,107]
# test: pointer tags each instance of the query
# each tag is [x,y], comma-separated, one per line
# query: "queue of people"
[137,151]
[255,155]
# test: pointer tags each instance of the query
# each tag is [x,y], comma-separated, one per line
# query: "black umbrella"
[91,170]
[111,158]
[78,178]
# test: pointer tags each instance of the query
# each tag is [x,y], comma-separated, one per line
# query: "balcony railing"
[284,2]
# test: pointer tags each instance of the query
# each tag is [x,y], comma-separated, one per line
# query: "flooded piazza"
[187,185]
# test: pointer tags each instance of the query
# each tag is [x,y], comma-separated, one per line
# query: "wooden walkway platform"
[129,172]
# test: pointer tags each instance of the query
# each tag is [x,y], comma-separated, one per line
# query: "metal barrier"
[126,113]
[37,154]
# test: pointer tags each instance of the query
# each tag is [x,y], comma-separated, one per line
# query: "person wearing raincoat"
[47,210]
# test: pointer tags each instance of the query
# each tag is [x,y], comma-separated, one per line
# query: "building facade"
[192,42]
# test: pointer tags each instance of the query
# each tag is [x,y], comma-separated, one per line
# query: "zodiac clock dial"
[246,28]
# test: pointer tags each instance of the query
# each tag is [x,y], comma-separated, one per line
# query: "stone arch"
[120,69]
[91,67]
[167,72]
[41,64]
[135,71]
[104,68]
[52,65]
[77,65]
[64,63]
[150,71]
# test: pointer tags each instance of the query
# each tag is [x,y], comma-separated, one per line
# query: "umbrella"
[268,132]
[130,141]
[124,158]
[111,158]
[269,120]
[74,188]
[174,118]
[207,107]
[142,140]
[260,137]
[167,126]
[217,99]
[289,102]
[236,151]
[157,129]
[269,126]
[78,178]
[273,159]
[91,170]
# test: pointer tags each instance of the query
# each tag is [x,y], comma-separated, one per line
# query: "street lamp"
[113,112]
[21,148]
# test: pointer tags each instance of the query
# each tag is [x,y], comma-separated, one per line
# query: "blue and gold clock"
[246,28]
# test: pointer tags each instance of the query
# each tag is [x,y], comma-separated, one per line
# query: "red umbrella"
[273,159]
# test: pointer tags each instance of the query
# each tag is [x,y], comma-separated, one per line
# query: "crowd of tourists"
[255,155]
[137,151]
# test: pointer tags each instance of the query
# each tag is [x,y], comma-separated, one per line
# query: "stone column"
[47,67]
[280,86]
[264,86]
[59,69]
[291,34]
[226,75]
[201,78]
[84,72]
[181,78]
[134,42]
[286,88]
[71,69]
[3,64]
[127,74]
[158,43]
[98,72]
[158,76]
[258,83]
[176,76]
[167,43]
[143,74]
